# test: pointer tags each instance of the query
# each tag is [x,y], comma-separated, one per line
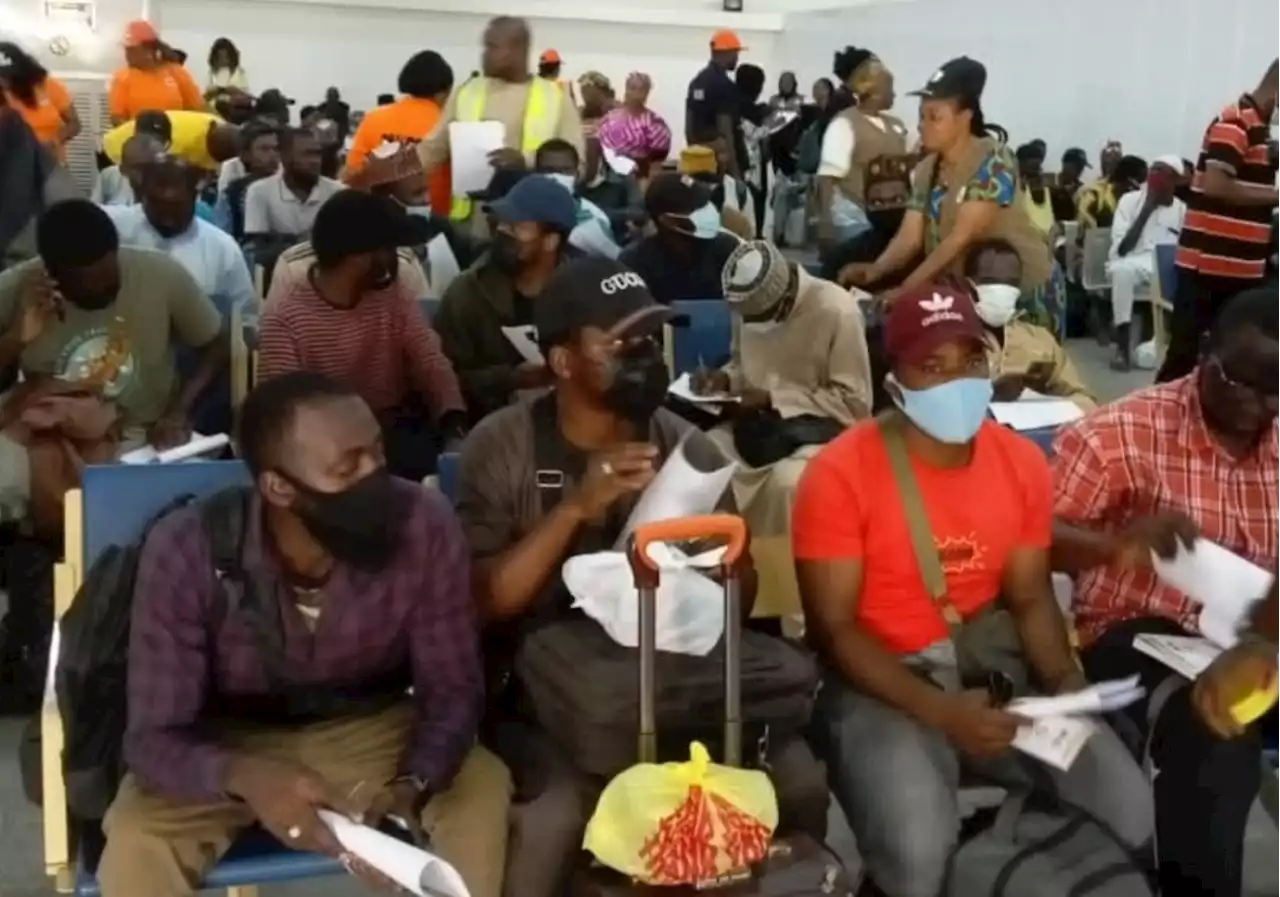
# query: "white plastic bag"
[1145,356]
[690,606]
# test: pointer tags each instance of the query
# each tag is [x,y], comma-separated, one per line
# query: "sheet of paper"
[682,388]
[1100,697]
[470,143]
[524,339]
[1034,410]
[197,446]
[623,165]
[416,870]
[1188,656]
[1056,740]
[1222,582]
[678,490]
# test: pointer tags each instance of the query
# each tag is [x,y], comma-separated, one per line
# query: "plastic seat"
[447,476]
[112,506]
[1163,291]
[702,337]
[1093,265]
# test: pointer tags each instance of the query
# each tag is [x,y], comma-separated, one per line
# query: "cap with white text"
[924,318]
[596,292]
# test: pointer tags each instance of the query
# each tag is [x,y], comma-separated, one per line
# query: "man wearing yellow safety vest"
[532,110]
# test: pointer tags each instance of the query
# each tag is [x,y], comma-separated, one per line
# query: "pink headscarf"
[639,135]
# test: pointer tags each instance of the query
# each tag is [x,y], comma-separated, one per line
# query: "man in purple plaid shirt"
[371,597]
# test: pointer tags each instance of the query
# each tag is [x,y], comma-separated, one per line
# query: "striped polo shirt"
[1221,238]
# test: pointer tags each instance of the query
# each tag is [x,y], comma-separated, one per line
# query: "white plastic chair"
[1093,267]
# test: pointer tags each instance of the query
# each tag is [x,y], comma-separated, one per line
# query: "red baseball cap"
[726,40]
[140,32]
[922,319]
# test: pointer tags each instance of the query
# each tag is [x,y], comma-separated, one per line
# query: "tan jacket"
[1011,223]
[815,362]
[1026,344]
[880,158]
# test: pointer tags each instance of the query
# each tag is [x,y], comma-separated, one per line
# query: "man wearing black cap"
[485,314]
[351,320]
[544,481]
[1070,180]
[683,259]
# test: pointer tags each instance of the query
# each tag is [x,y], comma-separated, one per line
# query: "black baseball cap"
[539,200]
[675,194]
[1078,156]
[596,292]
[351,222]
[960,77]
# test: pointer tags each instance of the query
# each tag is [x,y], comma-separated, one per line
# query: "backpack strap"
[225,516]
[551,472]
[913,507]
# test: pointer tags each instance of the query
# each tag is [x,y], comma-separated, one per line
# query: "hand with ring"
[624,470]
[285,798]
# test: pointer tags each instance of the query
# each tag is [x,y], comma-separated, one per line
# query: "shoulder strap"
[549,475]
[225,515]
[913,508]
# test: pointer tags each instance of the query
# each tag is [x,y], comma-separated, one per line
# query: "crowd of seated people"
[887,508]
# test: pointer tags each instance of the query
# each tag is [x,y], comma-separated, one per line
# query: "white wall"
[1150,73]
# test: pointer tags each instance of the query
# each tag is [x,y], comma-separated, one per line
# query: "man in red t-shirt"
[894,719]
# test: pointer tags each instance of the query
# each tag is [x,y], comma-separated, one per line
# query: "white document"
[524,339]
[623,165]
[1100,697]
[1056,740]
[416,870]
[682,388]
[678,490]
[1224,584]
[1186,655]
[197,446]
[1035,410]
[470,143]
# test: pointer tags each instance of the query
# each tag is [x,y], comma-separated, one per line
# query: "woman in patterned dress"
[965,191]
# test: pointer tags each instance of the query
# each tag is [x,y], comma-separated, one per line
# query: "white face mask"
[997,303]
[761,326]
[567,181]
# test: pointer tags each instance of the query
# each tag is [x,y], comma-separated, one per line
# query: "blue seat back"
[705,339]
[119,499]
[447,474]
[1166,270]
[429,308]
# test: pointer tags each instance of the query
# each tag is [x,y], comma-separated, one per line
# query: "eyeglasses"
[1267,393]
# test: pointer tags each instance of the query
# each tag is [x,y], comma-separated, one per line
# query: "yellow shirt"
[1041,214]
[190,138]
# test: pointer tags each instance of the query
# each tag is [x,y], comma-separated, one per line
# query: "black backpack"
[92,671]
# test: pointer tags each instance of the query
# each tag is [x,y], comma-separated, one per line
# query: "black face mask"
[504,254]
[640,383]
[359,526]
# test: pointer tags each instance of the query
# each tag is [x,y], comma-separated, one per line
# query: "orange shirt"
[45,117]
[166,87]
[847,508]
[407,120]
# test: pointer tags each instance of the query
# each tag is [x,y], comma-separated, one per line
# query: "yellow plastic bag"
[683,823]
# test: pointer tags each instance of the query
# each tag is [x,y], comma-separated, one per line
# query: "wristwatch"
[419,785]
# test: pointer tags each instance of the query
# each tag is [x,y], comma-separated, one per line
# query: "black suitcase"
[794,866]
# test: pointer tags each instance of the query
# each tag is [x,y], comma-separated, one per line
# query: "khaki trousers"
[160,847]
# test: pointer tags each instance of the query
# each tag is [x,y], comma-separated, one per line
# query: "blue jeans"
[897,781]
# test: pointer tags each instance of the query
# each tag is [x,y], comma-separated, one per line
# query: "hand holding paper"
[416,870]
[1223,583]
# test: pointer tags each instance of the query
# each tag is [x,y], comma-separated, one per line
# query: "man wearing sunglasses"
[542,481]
[1195,457]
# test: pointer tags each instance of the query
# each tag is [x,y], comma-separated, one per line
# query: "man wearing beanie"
[801,374]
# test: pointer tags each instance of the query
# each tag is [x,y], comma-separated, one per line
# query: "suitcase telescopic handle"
[646,573]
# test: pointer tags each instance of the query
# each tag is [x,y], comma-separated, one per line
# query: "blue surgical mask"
[950,412]
[706,222]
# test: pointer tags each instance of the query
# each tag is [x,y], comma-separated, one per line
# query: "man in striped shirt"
[1225,238]
[353,320]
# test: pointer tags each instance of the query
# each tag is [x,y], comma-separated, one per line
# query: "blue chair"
[447,476]
[1043,437]
[1162,292]
[429,308]
[111,507]
[703,337]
